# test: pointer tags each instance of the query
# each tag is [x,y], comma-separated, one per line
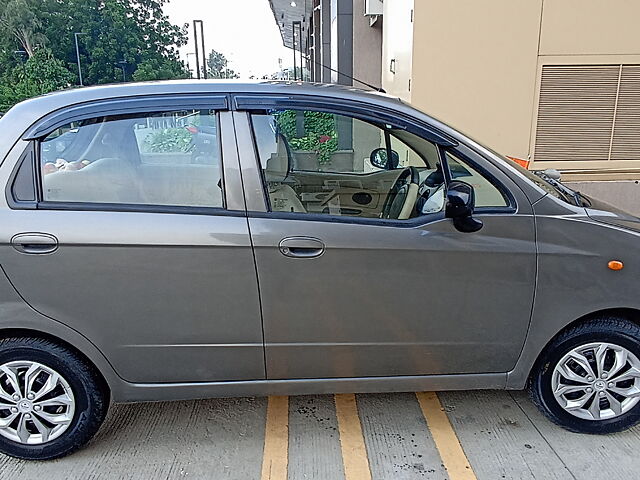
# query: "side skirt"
[144,392]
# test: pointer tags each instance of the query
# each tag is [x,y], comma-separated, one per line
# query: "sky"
[243,30]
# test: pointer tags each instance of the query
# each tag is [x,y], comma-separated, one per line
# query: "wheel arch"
[94,358]
[629,314]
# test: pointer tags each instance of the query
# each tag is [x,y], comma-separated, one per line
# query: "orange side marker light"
[520,161]
[615,265]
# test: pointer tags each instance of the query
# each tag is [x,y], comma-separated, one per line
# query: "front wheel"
[588,378]
[51,400]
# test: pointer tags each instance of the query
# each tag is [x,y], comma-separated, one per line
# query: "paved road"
[386,436]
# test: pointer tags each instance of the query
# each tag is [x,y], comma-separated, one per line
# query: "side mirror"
[553,173]
[378,158]
[460,204]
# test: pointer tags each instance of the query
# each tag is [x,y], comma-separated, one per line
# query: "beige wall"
[397,44]
[476,70]
[476,65]
[590,27]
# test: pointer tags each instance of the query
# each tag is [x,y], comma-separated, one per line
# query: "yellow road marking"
[354,452]
[275,458]
[446,440]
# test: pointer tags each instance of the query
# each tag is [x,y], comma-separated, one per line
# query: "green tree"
[134,31]
[19,20]
[42,73]
[218,66]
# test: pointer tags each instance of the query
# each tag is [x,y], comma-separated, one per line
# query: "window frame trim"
[341,109]
[356,109]
[412,222]
[512,204]
[28,155]
[157,105]
[123,106]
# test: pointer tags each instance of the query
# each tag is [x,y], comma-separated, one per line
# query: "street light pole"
[23,56]
[76,35]
[123,65]
[204,53]
[189,64]
[195,39]
[295,67]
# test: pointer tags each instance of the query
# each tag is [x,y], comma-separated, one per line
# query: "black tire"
[91,396]
[613,330]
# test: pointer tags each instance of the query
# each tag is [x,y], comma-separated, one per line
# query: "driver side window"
[323,163]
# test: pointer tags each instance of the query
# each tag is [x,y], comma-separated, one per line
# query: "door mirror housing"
[460,204]
[378,158]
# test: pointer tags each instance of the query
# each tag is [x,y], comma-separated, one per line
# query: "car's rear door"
[138,239]
[347,296]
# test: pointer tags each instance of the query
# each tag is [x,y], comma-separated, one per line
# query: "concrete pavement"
[377,436]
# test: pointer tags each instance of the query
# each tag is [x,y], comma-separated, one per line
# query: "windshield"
[550,185]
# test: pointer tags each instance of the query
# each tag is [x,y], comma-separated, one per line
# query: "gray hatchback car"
[181,240]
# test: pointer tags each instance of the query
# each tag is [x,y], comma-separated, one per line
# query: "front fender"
[573,278]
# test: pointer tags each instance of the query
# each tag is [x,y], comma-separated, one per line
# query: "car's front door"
[135,245]
[346,293]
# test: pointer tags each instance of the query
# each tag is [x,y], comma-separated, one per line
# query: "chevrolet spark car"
[182,240]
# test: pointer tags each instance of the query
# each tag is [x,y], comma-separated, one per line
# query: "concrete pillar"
[325,36]
[342,40]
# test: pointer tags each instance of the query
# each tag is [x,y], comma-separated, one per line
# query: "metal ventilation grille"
[626,131]
[576,112]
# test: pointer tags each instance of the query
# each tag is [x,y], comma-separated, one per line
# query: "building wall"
[341,41]
[397,47]
[478,66]
[325,35]
[593,27]
[624,194]
[477,70]
[367,47]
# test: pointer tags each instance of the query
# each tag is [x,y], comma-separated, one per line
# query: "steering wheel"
[403,195]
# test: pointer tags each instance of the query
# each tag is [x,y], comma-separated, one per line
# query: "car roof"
[55,100]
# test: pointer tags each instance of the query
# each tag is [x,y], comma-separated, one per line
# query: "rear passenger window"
[168,159]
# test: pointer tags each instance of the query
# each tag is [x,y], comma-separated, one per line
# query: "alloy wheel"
[36,403]
[597,381]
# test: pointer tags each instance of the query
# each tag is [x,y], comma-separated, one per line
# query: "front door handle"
[34,243]
[301,247]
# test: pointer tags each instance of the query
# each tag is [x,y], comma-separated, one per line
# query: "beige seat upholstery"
[107,180]
[410,202]
[182,185]
[112,180]
[282,196]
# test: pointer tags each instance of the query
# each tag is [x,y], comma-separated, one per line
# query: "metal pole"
[22,55]
[195,39]
[300,44]
[122,64]
[189,64]
[299,49]
[204,51]
[295,60]
[75,35]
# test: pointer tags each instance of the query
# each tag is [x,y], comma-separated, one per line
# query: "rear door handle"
[301,247]
[34,243]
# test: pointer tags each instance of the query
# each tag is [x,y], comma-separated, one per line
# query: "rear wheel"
[588,379]
[51,400]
